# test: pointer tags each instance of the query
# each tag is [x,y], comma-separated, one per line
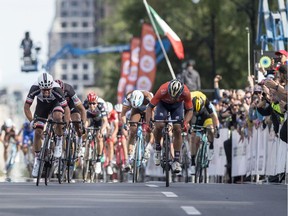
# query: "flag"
[147,59]
[163,29]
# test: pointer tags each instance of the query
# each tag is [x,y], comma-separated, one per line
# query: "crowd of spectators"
[263,103]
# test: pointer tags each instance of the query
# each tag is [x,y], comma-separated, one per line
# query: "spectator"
[191,77]
[27,45]
[283,55]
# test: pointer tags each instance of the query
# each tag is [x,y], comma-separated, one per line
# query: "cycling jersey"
[55,95]
[163,95]
[9,135]
[97,114]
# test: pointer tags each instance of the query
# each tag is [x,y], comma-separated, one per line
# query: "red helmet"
[60,82]
[91,97]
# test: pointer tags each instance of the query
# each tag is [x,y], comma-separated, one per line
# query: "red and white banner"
[147,62]
[125,67]
[134,61]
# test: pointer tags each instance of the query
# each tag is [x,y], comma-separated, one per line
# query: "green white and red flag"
[164,29]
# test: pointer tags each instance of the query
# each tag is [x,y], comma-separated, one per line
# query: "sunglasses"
[92,103]
[46,89]
[247,97]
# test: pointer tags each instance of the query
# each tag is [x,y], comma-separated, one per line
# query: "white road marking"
[190,210]
[169,194]
[151,185]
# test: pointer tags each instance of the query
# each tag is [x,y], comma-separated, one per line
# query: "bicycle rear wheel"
[71,162]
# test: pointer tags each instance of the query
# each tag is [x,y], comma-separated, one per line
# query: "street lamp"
[248,49]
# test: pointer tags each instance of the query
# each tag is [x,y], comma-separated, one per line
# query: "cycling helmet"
[60,82]
[136,98]
[8,123]
[92,97]
[118,108]
[175,88]
[109,106]
[198,104]
[45,81]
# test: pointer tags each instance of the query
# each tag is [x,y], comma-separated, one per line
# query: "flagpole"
[160,41]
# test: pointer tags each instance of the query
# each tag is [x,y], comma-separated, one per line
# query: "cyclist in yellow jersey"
[204,114]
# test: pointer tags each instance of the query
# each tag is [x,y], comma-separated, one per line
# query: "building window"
[85,77]
[74,24]
[64,66]
[64,35]
[75,45]
[85,66]
[75,77]
[85,14]
[75,66]
[63,3]
[74,35]
[64,76]
[85,24]
[64,14]
[63,24]
[74,13]
[74,3]
[85,35]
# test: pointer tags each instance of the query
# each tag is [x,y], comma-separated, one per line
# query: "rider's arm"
[116,128]
[105,124]
[82,111]
[187,105]
[28,112]
[34,90]
[125,109]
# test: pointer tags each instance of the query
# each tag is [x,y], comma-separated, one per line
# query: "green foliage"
[213,34]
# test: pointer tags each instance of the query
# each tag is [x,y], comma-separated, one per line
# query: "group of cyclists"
[58,100]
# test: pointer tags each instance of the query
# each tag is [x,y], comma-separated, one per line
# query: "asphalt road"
[142,199]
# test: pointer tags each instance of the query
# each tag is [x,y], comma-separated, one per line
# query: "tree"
[213,33]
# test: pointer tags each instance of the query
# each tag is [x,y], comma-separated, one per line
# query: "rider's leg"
[57,116]
[75,116]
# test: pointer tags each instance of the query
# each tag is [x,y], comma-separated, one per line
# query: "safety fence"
[261,154]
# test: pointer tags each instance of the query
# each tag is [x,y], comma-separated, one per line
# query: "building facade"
[76,22]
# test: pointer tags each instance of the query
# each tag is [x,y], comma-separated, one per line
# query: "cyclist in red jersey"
[173,97]
[111,134]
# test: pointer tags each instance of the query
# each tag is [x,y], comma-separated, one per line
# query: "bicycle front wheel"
[42,157]
[137,160]
[200,168]
[166,160]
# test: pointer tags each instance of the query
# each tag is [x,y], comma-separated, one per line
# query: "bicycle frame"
[120,156]
[46,154]
[186,157]
[90,154]
[139,149]
[68,160]
[166,155]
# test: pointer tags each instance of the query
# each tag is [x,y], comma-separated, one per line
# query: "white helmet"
[8,123]
[175,88]
[109,106]
[118,108]
[45,81]
[136,98]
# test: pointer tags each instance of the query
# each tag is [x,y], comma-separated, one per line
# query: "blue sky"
[17,17]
